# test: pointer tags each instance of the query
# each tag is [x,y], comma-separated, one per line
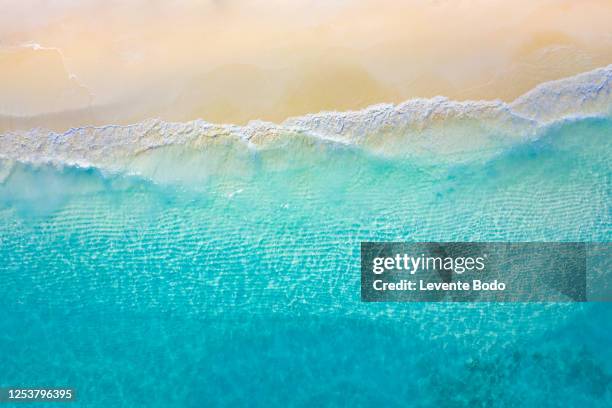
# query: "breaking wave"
[436,129]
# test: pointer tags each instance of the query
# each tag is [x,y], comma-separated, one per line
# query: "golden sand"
[233,61]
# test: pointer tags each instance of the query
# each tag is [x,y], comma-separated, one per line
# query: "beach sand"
[231,62]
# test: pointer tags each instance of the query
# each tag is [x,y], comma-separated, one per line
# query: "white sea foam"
[436,127]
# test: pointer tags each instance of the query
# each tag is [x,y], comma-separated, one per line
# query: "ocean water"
[228,275]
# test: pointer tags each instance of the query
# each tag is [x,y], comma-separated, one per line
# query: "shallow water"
[240,285]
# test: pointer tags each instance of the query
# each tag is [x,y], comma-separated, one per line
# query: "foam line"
[436,127]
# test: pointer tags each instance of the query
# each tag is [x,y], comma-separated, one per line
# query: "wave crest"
[437,128]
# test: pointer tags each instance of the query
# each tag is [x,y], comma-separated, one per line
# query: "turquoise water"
[242,287]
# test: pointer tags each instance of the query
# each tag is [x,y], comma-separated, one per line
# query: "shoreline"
[539,104]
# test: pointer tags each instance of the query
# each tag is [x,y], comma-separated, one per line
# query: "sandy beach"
[195,60]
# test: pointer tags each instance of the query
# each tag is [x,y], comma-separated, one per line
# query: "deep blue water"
[242,288]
